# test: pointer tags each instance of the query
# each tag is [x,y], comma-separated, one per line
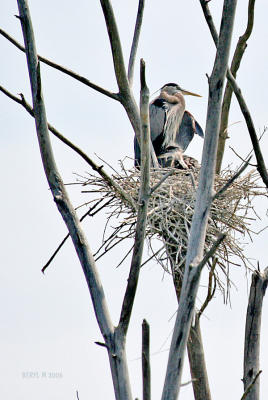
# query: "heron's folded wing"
[198,129]
[157,112]
[188,127]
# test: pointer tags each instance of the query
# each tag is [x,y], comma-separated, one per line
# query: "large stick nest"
[171,209]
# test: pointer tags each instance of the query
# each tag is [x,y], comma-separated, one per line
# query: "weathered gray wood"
[135,42]
[251,379]
[261,167]
[99,169]
[144,196]
[197,363]
[63,69]
[203,201]
[114,341]
[125,93]
[227,97]
[242,103]
[146,368]
[119,366]
[195,351]
[53,176]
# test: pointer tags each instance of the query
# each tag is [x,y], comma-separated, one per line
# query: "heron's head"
[173,88]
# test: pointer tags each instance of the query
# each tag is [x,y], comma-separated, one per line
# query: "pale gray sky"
[47,322]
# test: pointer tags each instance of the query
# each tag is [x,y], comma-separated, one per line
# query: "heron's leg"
[172,158]
[178,157]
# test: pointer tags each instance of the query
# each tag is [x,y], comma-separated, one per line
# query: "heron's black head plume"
[170,84]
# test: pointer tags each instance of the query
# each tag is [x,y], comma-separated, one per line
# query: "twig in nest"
[170,210]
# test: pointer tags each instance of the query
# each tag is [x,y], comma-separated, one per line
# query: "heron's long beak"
[185,92]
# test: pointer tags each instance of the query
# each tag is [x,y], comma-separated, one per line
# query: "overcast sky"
[48,326]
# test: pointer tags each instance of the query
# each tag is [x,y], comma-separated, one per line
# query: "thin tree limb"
[231,180]
[210,22]
[115,42]
[261,167]
[88,213]
[243,106]
[63,69]
[125,97]
[241,158]
[113,340]
[211,251]
[203,202]
[125,93]
[258,287]
[197,362]
[51,258]
[135,42]
[227,97]
[146,368]
[251,386]
[158,184]
[211,291]
[187,383]
[99,169]
[143,206]
[55,182]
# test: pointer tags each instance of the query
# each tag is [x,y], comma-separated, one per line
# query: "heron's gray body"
[172,128]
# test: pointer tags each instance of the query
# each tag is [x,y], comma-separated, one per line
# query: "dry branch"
[114,342]
[146,368]
[235,64]
[135,42]
[197,363]
[252,335]
[242,103]
[54,179]
[63,69]
[170,212]
[144,195]
[21,100]
[203,203]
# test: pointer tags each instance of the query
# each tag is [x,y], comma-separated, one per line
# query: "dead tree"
[187,323]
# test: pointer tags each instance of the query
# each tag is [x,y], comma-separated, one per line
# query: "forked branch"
[115,343]
[135,42]
[146,368]
[242,103]
[235,64]
[251,379]
[54,179]
[63,69]
[125,93]
[144,195]
[115,42]
[203,202]
[99,169]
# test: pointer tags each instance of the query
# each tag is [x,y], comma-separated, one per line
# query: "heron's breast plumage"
[174,114]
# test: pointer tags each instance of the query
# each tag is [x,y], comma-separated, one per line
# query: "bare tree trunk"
[119,366]
[252,335]
[195,350]
[198,363]
[114,338]
[146,368]
[203,202]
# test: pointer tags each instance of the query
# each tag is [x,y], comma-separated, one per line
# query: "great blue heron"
[172,128]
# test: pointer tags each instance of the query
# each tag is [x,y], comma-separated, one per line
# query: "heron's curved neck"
[173,98]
